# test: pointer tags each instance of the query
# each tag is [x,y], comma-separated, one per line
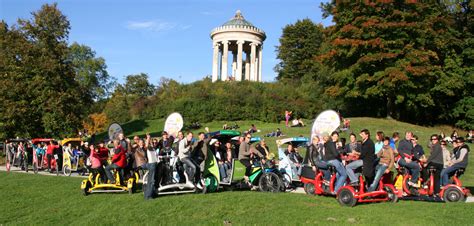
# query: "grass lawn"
[47,200]
[50,200]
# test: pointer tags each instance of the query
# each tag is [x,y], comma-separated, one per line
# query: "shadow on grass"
[471,189]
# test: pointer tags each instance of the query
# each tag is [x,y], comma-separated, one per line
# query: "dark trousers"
[191,169]
[49,157]
[248,166]
[436,175]
[108,172]
[101,172]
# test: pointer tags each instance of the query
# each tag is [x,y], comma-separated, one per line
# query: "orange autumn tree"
[393,58]
[96,123]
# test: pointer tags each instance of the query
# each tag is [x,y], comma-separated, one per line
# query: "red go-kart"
[317,185]
[453,192]
[351,195]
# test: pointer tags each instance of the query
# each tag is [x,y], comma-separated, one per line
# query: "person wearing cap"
[458,160]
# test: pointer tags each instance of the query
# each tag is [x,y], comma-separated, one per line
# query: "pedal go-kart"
[94,184]
[287,167]
[266,176]
[70,166]
[453,192]
[318,185]
[351,195]
[175,184]
[40,159]
[17,155]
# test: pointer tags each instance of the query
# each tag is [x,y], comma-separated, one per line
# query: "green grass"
[36,199]
[50,200]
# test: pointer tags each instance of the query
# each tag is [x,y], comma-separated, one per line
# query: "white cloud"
[151,25]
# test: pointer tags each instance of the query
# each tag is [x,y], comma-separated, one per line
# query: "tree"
[388,57]
[299,44]
[40,94]
[91,72]
[138,85]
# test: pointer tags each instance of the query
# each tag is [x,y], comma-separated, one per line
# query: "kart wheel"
[210,184]
[453,194]
[67,171]
[309,188]
[346,198]
[269,182]
[392,197]
[286,180]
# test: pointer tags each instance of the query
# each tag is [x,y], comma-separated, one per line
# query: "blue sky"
[166,38]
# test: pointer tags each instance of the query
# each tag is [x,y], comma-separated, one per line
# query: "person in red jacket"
[119,161]
[49,153]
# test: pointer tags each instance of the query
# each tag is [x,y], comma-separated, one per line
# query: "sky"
[166,38]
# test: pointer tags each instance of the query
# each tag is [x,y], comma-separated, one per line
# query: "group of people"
[379,157]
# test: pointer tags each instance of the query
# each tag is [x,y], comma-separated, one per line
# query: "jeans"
[223,170]
[323,166]
[108,172]
[445,174]
[350,170]
[341,173]
[150,186]
[413,167]
[379,171]
[190,168]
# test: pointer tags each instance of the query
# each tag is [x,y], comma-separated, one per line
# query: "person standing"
[367,154]
[287,117]
[49,153]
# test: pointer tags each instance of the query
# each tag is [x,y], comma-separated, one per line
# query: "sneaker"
[199,186]
[413,184]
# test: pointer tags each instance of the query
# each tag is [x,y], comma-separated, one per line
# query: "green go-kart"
[264,176]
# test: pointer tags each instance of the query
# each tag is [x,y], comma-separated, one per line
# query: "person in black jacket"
[367,154]
[435,161]
[331,156]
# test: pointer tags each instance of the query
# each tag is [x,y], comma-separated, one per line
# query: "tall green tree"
[389,57]
[138,85]
[41,95]
[299,44]
[90,72]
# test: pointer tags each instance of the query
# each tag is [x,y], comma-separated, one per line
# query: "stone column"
[252,61]
[260,63]
[225,53]
[234,64]
[247,66]
[215,62]
[238,76]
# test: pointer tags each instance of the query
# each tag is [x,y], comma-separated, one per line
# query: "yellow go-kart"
[68,165]
[94,184]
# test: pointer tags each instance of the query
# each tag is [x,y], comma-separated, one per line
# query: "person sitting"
[470,136]
[245,151]
[295,157]
[253,129]
[225,127]
[434,161]
[263,149]
[386,162]
[315,155]
[331,156]
[184,155]
[97,163]
[295,123]
[119,162]
[446,153]
[458,160]
[228,155]
[405,150]
[454,135]
[353,153]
